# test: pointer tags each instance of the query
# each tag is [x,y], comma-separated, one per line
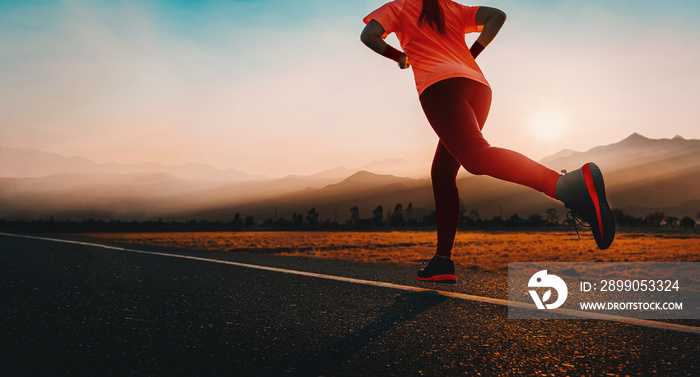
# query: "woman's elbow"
[365,37]
[370,37]
[372,33]
[500,15]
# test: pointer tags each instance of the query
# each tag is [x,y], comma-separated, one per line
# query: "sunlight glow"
[548,125]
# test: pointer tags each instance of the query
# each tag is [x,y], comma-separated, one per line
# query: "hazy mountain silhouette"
[636,150]
[642,176]
[398,167]
[16,162]
[363,189]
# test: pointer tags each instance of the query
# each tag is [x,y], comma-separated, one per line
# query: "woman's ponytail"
[433,15]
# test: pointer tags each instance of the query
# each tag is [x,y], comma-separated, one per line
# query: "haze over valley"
[642,176]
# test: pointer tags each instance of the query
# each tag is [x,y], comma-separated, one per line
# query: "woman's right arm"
[372,37]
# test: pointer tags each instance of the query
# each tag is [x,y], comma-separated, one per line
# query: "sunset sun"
[548,125]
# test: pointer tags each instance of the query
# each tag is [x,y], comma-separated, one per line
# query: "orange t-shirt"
[433,56]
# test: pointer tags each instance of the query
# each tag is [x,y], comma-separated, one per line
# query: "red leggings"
[457,109]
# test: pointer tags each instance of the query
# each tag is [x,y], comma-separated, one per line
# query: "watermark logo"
[641,290]
[543,280]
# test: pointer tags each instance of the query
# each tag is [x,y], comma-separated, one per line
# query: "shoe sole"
[446,278]
[605,219]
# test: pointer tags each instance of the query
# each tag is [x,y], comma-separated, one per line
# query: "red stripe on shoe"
[594,195]
[444,277]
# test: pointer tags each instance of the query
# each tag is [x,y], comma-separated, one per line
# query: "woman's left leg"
[444,178]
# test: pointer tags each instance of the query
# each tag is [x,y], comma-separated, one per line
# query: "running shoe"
[583,192]
[438,270]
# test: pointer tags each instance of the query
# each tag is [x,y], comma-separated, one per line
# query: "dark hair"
[433,14]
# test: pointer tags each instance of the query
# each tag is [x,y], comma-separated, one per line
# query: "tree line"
[398,218]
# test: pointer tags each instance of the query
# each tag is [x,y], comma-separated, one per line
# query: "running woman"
[456,98]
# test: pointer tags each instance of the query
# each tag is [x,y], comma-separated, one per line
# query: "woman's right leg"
[453,108]
[457,109]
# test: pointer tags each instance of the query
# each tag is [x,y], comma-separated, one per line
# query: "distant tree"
[687,222]
[474,215]
[378,216]
[409,212]
[312,217]
[297,219]
[396,218]
[623,219]
[655,219]
[429,220]
[249,222]
[355,215]
[281,222]
[535,218]
[327,223]
[204,224]
[552,216]
[618,215]
[671,221]
[468,217]
[462,211]
[464,220]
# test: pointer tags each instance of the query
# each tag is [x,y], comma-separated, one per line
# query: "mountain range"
[642,175]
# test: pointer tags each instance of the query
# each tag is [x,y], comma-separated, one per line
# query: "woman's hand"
[403,62]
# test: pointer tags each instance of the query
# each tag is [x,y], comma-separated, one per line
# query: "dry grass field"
[488,251]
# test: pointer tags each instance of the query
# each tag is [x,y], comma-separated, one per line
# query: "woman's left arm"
[372,37]
[492,19]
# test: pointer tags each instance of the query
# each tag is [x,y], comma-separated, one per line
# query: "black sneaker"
[583,192]
[438,270]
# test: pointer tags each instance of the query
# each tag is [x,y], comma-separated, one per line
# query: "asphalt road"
[69,309]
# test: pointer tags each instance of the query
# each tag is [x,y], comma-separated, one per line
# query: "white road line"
[461,296]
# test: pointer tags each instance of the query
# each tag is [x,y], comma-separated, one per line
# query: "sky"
[281,87]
